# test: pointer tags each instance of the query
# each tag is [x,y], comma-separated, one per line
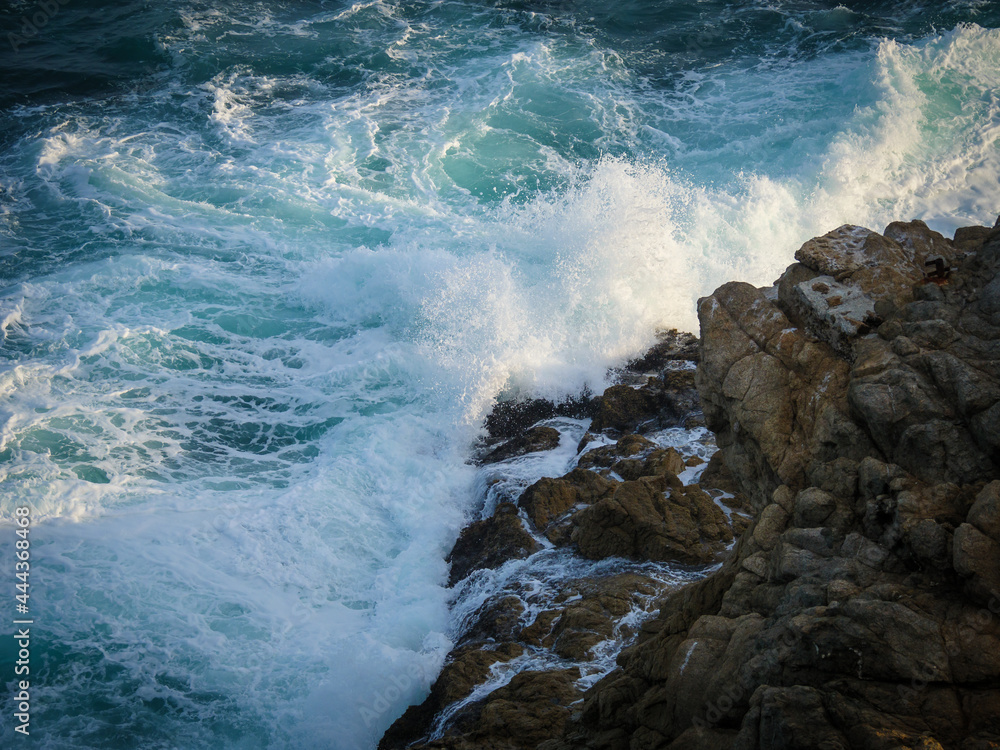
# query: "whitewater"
[264,268]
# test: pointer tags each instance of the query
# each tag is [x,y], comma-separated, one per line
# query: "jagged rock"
[532,708]
[861,609]
[652,403]
[876,265]
[464,669]
[970,238]
[977,556]
[577,630]
[622,408]
[536,439]
[547,499]
[632,457]
[662,461]
[654,518]
[490,543]
[985,512]
[672,346]
[509,419]
[774,397]
[587,614]
[717,476]
[832,294]
[838,312]
[921,242]
[498,620]
[607,455]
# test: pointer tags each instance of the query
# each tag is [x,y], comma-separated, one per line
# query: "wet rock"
[539,631]
[632,457]
[509,419]
[654,518]
[532,708]
[672,347]
[464,669]
[471,667]
[547,499]
[531,441]
[498,620]
[608,455]
[578,629]
[622,408]
[660,462]
[490,543]
[647,403]
[589,613]
[861,608]
[717,476]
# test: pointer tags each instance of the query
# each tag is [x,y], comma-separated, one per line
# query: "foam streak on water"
[264,267]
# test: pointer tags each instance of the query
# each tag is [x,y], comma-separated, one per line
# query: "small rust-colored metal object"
[940,273]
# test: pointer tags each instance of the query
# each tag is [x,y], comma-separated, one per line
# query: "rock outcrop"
[856,409]
[621,516]
[855,403]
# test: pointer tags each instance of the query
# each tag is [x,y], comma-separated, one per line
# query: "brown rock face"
[548,499]
[622,408]
[490,543]
[653,518]
[862,607]
[466,668]
[533,708]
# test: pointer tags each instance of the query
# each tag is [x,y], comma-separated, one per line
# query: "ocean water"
[265,266]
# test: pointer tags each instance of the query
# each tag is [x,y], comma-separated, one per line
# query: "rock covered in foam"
[538,438]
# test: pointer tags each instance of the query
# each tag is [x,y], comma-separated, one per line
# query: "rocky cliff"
[856,408]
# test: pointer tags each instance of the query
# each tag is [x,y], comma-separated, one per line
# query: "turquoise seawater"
[265,266]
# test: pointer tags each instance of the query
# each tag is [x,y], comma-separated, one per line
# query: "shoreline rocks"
[597,547]
[856,406]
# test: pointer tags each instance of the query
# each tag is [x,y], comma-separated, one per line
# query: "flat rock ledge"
[856,408]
